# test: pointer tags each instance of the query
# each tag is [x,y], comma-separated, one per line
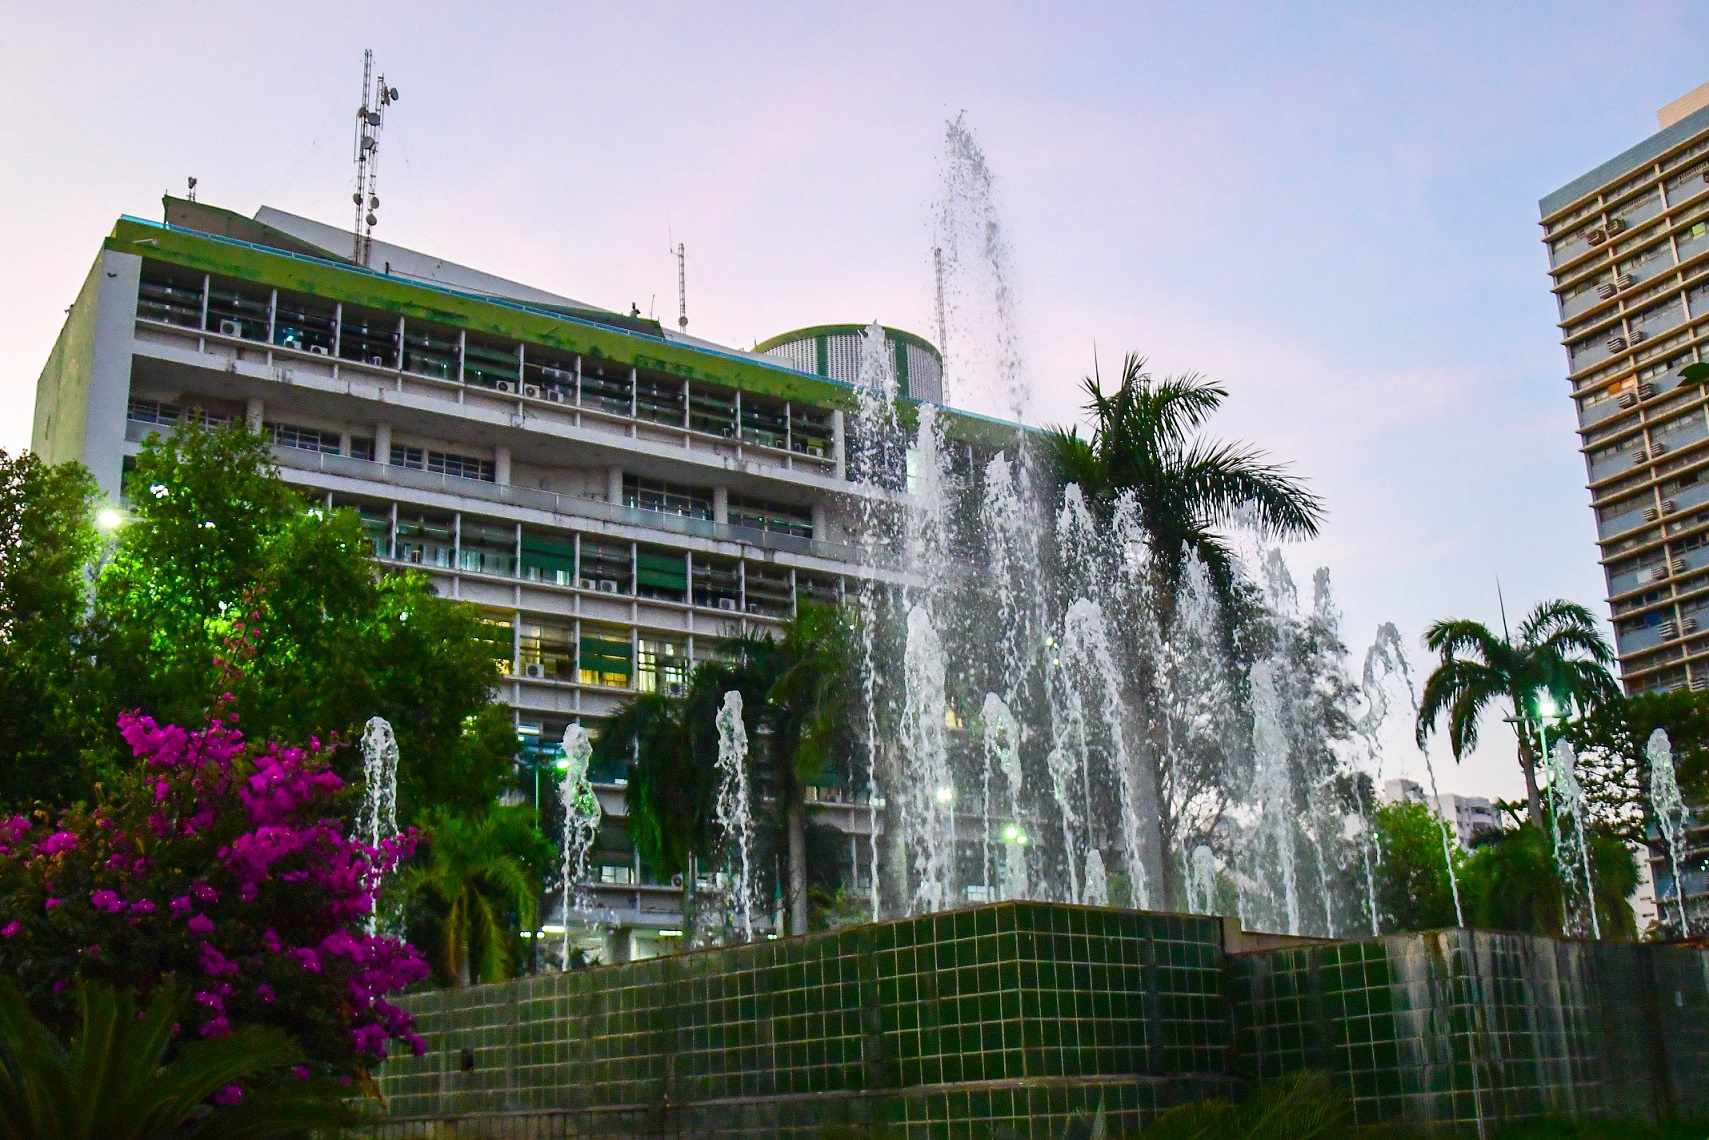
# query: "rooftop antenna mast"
[370,117]
[681,256]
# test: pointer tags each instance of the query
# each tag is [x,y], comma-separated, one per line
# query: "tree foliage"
[1186,489]
[122,1074]
[1558,653]
[1512,883]
[225,586]
[1413,888]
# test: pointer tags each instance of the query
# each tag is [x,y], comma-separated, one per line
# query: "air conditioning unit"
[1700,682]
[318,349]
[1628,399]
[555,395]
[727,604]
[534,669]
[1651,514]
[532,392]
[1605,290]
[377,361]
[1639,336]
[1614,226]
[1668,630]
[608,585]
[1616,343]
[1689,625]
[1680,565]
[1624,281]
[588,584]
[1668,506]
[1640,457]
[506,386]
[1646,390]
[753,607]
[1658,573]
[230,328]
[1657,450]
[1595,237]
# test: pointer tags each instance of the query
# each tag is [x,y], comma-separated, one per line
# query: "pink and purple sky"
[1331,208]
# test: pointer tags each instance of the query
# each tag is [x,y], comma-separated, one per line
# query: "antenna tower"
[681,256]
[370,117]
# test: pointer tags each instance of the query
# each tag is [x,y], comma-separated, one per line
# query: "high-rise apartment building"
[1629,254]
[614,496]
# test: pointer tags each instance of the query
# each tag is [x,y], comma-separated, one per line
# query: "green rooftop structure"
[613,495]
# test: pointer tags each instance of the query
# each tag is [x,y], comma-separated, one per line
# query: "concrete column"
[819,524]
[383,444]
[614,485]
[501,466]
[721,505]
[837,441]
[255,415]
[344,443]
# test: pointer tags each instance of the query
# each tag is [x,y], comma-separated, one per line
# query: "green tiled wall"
[1458,1027]
[1003,1015]
[1012,1019]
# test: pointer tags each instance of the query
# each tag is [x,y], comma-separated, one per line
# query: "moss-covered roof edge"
[349,284]
[813,331]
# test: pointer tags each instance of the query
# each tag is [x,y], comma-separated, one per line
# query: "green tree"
[1143,443]
[1512,883]
[475,888]
[1611,740]
[1413,888]
[1559,655]
[225,580]
[122,1076]
[48,542]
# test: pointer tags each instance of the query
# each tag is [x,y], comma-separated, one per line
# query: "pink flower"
[57,842]
[11,930]
[218,1027]
[204,893]
[301,1072]
[108,902]
[307,959]
[201,924]
[50,903]
[182,906]
[215,964]
[209,1000]
[270,939]
[264,993]
[229,1095]
[143,906]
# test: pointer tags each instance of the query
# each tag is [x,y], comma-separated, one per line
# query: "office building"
[614,496]
[1471,816]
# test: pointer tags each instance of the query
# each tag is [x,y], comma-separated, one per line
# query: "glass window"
[495,632]
[487,546]
[368,337]
[548,557]
[605,387]
[661,666]
[606,656]
[547,651]
[170,295]
[712,410]
[605,566]
[717,582]
[779,518]
[424,539]
[666,498]
[765,422]
[306,324]
[238,309]
[490,363]
[303,438]
[430,349]
[661,573]
[659,399]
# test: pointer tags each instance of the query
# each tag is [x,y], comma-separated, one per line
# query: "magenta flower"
[264,993]
[301,1072]
[107,902]
[218,1027]
[144,906]
[50,903]
[181,906]
[201,924]
[229,1095]
[203,893]
[11,930]
[56,843]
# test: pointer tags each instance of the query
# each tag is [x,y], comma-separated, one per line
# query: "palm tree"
[1559,656]
[1185,489]
[481,877]
[113,1079]
[797,689]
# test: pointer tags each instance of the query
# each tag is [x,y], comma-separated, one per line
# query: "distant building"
[1471,816]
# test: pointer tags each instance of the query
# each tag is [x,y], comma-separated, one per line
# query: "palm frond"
[1222,478]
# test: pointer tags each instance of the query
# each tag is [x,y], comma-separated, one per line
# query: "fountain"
[1669,808]
[377,819]
[735,819]
[582,814]
[1572,840]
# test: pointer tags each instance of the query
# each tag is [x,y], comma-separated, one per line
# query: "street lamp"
[109,519]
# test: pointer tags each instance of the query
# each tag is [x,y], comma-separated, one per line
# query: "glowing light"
[945,795]
[109,519]
[1546,704]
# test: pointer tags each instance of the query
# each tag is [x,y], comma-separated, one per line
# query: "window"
[412,457]
[606,657]
[361,447]
[549,557]
[460,466]
[169,295]
[661,666]
[424,540]
[605,566]
[547,652]
[239,309]
[661,573]
[495,634]
[666,498]
[368,337]
[486,547]
[776,517]
[430,350]
[304,323]
[303,438]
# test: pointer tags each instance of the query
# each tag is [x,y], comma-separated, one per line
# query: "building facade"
[1471,816]
[1628,248]
[615,497]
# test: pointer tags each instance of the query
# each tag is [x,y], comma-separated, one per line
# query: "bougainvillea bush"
[222,866]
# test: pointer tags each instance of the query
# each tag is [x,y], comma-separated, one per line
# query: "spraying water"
[1002,754]
[582,814]
[377,820]
[735,819]
[1669,808]
[1272,791]
[1572,846]
[928,791]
